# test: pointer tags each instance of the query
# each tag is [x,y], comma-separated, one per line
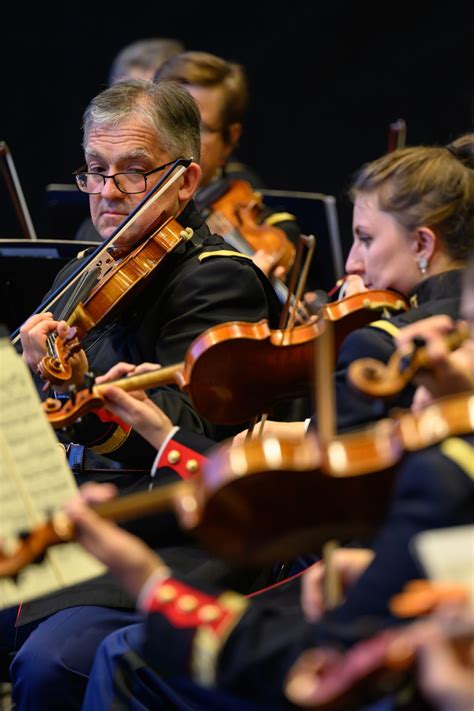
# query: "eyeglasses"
[129,183]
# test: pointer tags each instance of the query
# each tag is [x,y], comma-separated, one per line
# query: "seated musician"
[201,648]
[134,132]
[220,89]
[412,234]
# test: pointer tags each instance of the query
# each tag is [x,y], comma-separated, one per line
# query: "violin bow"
[288,318]
[156,192]
[324,352]
[397,135]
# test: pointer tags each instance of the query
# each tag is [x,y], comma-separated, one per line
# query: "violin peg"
[187,233]
[72,393]
[89,380]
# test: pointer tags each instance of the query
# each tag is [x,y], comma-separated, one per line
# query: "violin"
[383,380]
[116,288]
[384,662]
[270,499]
[274,498]
[235,214]
[212,375]
[143,221]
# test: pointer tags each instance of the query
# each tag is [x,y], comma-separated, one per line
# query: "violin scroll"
[382,380]
[62,368]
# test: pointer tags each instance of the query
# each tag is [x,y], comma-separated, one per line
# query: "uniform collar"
[438,286]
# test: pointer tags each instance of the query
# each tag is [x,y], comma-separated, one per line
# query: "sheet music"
[35,480]
[447,555]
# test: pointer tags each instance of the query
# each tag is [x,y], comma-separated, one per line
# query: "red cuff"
[184,461]
[184,606]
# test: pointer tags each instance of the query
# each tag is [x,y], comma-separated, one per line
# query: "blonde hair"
[424,186]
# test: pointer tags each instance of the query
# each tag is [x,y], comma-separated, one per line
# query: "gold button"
[174,456]
[187,603]
[166,593]
[192,465]
[209,613]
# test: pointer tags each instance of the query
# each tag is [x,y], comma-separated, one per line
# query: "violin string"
[47,306]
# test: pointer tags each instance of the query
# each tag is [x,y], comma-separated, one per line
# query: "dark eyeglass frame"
[78,173]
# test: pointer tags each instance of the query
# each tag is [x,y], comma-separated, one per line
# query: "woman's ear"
[426,241]
[191,179]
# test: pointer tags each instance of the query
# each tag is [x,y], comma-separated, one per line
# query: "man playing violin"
[133,132]
[220,89]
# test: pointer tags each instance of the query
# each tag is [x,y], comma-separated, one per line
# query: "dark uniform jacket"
[203,285]
[440,294]
[247,646]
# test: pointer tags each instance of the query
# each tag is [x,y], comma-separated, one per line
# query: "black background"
[326,79]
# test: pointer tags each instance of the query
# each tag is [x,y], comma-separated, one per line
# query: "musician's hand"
[287,430]
[266,263]
[140,412]
[128,558]
[450,371]
[34,335]
[353,284]
[431,329]
[445,657]
[349,564]
[122,369]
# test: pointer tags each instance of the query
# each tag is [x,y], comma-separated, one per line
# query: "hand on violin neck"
[122,370]
[449,371]
[286,430]
[431,330]
[347,564]
[452,373]
[140,412]
[127,557]
[34,334]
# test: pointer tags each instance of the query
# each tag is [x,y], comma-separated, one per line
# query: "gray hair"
[144,54]
[167,108]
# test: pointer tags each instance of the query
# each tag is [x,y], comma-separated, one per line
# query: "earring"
[423,265]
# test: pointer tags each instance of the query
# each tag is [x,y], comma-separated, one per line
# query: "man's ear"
[191,179]
[234,132]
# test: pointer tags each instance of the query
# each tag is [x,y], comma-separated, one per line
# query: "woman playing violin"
[413,231]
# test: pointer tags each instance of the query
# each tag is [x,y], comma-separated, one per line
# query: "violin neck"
[142,503]
[143,381]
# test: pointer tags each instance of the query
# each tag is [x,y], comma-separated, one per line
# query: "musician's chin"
[108,224]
